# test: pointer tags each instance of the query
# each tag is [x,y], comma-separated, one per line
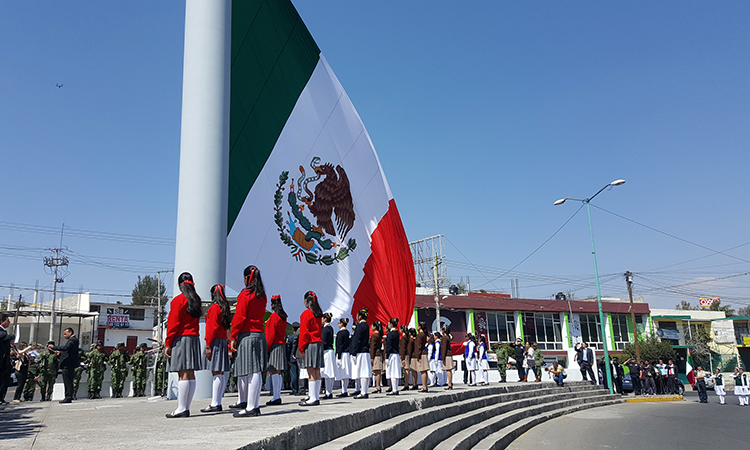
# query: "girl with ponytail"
[447,354]
[393,357]
[182,344]
[311,345]
[328,372]
[218,321]
[276,338]
[360,350]
[248,341]
[376,353]
[343,360]
[403,351]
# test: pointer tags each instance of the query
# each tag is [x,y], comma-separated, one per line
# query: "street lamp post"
[587,201]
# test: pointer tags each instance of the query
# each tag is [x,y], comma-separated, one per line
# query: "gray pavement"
[673,425]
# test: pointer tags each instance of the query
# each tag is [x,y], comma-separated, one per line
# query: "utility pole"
[160,322]
[437,291]
[629,280]
[54,263]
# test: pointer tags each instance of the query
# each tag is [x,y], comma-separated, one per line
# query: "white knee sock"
[358,384]
[345,386]
[183,391]
[365,385]
[721,399]
[315,390]
[191,393]
[329,386]
[217,390]
[242,383]
[431,378]
[253,391]
[276,382]
[394,384]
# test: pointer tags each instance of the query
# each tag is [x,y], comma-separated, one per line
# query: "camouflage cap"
[144,345]
[92,346]
[121,344]
[50,342]
[99,343]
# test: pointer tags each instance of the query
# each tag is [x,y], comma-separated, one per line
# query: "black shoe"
[327,397]
[245,413]
[172,415]
[356,393]
[392,393]
[242,405]
[210,408]
[315,403]
[273,402]
[343,394]
[67,400]
[361,396]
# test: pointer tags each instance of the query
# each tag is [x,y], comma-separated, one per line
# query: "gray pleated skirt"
[277,357]
[186,354]
[219,357]
[252,354]
[314,355]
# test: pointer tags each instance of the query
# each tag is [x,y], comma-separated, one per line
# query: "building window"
[591,331]
[136,313]
[741,330]
[544,329]
[93,308]
[620,330]
[501,326]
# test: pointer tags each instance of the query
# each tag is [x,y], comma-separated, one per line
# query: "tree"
[727,310]
[744,312]
[145,293]
[698,341]
[685,305]
[652,349]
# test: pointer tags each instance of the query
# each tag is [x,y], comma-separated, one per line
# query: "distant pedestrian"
[343,358]
[69,360]
[6,339]
[617,375]
[650,375]
[291,352]
[538,361]
[741,385]
[585,359]
[482,361]
[447,355]
[359,348]
[420,350]
[672,377]
[518,352]
[502,353]
[328,371]
[557,372]
[393,359]
[700,383]
[97,361]
[635,375]
[530,363]
[275,338]
[49,365]
[218,321]
[118,362]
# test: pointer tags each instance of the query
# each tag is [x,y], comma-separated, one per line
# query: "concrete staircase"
[474,418]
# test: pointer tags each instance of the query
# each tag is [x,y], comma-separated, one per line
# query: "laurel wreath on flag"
[296,250]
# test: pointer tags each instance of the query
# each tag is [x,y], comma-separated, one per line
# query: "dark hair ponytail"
[404,330]
[327,317]
[378,327]
[219,297]
[393,323]
[362,314]
[311,301]
[277,307]
[187,287]
[344,320]
[253,281]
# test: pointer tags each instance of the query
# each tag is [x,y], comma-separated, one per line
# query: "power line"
[88,234]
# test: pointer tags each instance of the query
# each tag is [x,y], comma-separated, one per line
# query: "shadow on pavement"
[17,422]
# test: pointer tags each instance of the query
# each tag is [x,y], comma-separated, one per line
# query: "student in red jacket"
[218,321]
[276,339]
[311,345]
[249,343]
[182,345]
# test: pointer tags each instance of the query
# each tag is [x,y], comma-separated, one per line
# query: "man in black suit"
[5,367]
[68,362]
[584,358]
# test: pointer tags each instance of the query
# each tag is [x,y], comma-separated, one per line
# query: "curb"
[666,398]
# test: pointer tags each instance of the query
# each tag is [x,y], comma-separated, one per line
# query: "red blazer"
[275,330]
[214,330]
[179,322]
[310,329]
[249,315]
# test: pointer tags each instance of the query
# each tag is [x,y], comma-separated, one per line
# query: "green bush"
[652,349]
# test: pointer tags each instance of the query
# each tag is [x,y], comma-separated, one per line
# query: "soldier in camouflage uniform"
[97,362]
[139,363]
[161,376]
[49,363]
[538,361]
[503,352]
[78,371]
[31,379]
[118,362]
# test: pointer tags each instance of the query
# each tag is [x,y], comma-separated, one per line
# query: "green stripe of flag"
[273,57]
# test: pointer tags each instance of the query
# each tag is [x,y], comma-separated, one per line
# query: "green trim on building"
[611,331]
[273,57]
[631,336]
[472,330]
[416,317]
[520,326]
[731,318]
[567,329]
[671,317]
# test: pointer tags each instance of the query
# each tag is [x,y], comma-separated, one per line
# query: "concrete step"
[389,432]
[502,438]
[470,435]
[324,432]
[447,427]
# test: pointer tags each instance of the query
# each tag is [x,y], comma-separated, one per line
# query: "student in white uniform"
[431,359]
[484,365]
[471,361]
[328,372]
[439,374]
[392,356]
[741,385]
[719,385]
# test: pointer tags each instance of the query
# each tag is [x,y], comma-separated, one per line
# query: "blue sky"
[483,114]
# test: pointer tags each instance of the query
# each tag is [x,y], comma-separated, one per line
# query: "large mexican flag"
[308,201]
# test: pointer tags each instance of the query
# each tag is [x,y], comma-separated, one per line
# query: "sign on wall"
[117,318]
[706,302]
[723,331]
